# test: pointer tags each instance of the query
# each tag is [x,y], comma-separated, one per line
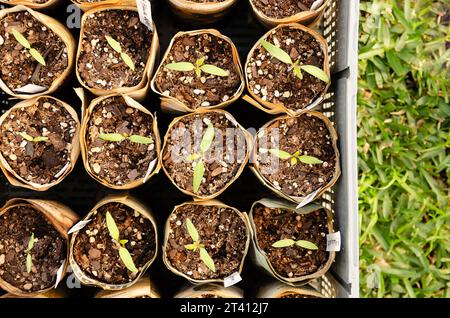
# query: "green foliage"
[301,243]
[27,137]
[295,157]
[29,258]
[199,67]
[117,47]
[116,137]
[24,42]
[204,256]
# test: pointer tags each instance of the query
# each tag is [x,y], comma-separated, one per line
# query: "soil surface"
[45,161]
[221,230]
[99,66]
[18,67]
[275,82]
[273,225]
[48,253]
[222,160]
[205,90]
[97,254]
[296,295]
[307,134]
[282,8]
[119,163]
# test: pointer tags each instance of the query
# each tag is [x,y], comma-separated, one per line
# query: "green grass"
[404,148]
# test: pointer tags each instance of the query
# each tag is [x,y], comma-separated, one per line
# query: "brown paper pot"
[201,13]
[171,104]
[58,29]
[30,4]
[272,108]
[137,92]
[210,290]
[17,180]
[85,6]
[55,293]
[249,142]
[280,290]
[133,203]
[60,216]
[301,201]
[153,168]
[168,264]
[260,257]
[305,17]
[142,289]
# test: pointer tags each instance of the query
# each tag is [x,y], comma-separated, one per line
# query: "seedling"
[27,137]
[29,262]
[199,169]
[284,57]
[124,56]
[24,42]
[116,137]
[199,67]
[301,243]
[124,255]
[204,256]
[295,157]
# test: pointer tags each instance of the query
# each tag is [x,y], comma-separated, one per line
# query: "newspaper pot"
[41,265]
[119,164]
[270,17]
[210,291]
[209,219]
[94,254]
[181,153]
[85,5]
[273,85]
[103,75]
[31,4]
[142,289]
[201,12]
[280,290]
[188,91]
[312,140]
[273,221]
[54,293]
[21,75]
[37,164]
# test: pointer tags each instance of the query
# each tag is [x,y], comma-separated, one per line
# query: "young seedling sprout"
[199,67]
[27,137]
[116,137]
[29,262]
[295,157]
[124,255]
[284,57]
[204,256]
[199,169]
[24,42]
[124,56]
[301,243]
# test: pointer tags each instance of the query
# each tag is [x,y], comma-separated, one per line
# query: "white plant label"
[145,13]
[78,226]
[316,5]
[232,279]
[30,89]
[334,242]
[308,198]
[59,274]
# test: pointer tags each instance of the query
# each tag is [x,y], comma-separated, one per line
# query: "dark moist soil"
[275,82]
[223,159]
[38,162]
[296,295]
[48,254]
[282,8]
[273,225]
[122,162]
[206,90]
[221,230]
[18,67]
[101,67]
[96,253]
[308,134]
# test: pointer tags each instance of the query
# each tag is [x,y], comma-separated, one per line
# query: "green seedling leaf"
[180,66]
[114,44]
[39,139]
[199,170]
[207,139]
[293,161]
[128,61]
[112,227]
[306,244]
[140,139]
[21,39]
[198,72]
[192,230]
[114,137]
[283,243]
[190,247]
[280,153]
[309,160]
[298,72]
[30,243]
[316,72]
[200,62]
[204,256]
[37,56]
[193,157]
[29,263]
[123,242]
[127,260]
[276,52]
[26,136]
[214,70]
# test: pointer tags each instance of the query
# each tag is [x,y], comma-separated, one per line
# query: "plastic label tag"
[78,226]
[145,13]
[59,274]
[334,242]
[232,279]
[316,5]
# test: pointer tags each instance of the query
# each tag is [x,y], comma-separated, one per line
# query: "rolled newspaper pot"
[210,291]
[280,290]
[87,5]
[54,293]
[205,12]
[142,289]
[32,4]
